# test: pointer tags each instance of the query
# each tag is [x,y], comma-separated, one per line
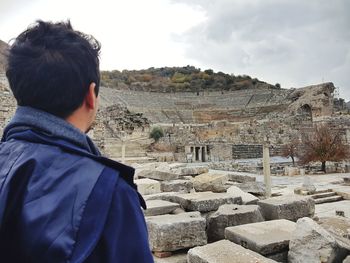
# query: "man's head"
[53,68]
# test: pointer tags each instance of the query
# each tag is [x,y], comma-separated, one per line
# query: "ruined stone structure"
[201,126]
[217,125]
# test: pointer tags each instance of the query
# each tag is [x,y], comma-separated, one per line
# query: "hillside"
[176,79]
[3,50]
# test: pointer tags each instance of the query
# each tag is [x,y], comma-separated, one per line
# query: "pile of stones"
[197,216]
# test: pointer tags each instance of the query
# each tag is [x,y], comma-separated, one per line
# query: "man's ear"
[90,98]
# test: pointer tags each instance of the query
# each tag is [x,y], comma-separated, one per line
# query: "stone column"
[123,151]
[200,154]
[266,166]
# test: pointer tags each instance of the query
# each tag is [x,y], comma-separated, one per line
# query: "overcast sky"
[291,42]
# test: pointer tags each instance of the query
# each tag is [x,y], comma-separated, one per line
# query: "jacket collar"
[34,119]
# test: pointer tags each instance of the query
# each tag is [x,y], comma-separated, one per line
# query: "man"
[60,200]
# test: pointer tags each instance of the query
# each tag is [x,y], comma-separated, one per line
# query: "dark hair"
[51,66]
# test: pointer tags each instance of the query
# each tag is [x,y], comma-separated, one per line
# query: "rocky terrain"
[3,50]
[196,215]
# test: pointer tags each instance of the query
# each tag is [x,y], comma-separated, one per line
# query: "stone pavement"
[328,209]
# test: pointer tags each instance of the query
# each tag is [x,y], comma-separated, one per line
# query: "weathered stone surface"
[181,186]
[247,198]
[157,175]
[204,201]
[313,244]
[210,182]
[176,258]
[147,186]
[193,171]
[231,215]
[166,196]
[159,207]
[174,232]
[224,251]
[339,228]
[291,207]
[346,180]
[269,237]
[240,178]
[347,259]
[257,188]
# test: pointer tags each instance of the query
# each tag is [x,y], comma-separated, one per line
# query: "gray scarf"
[43,122]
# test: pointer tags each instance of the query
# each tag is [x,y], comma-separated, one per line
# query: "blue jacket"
[61,201]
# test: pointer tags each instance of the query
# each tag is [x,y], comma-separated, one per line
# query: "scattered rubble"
[313,244]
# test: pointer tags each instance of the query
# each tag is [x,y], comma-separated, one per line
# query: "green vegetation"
[173,79]
[156,133]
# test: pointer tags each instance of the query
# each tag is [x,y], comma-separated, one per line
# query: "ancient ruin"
[202,179]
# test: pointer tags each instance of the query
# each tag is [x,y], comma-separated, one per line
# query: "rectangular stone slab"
[175,232]
[231,215]
[176,258]
[204,201]
[147,186]
[291,207]
[159,207]
[224,251]
[267,237]
[183,186]
[158,175]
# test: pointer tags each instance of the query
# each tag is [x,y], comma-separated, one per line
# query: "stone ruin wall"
[230,125]
[8,103]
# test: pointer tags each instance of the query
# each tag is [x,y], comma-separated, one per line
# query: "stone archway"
[305,112]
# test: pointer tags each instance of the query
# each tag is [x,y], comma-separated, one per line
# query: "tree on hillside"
[323,144]
[157,133]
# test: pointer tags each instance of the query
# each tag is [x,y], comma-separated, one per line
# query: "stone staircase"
[325,196]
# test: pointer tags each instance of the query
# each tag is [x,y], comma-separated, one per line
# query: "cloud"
[295,43]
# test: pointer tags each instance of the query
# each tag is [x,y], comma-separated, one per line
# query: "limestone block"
[181,186]
[157,175]
[240,178]
[166,196]
[346,180]
[224,251]
[291,171]
[339,228]
[256,188]
[174,232]
[176,258]
[231,215]
[266,238]
[313,244]
[147,186]
[160,207]
[204,201]
[347,259]
[291,207]
[247,198]
[192,171]
[210,182]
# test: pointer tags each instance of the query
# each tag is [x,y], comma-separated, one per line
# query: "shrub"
[156,133]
